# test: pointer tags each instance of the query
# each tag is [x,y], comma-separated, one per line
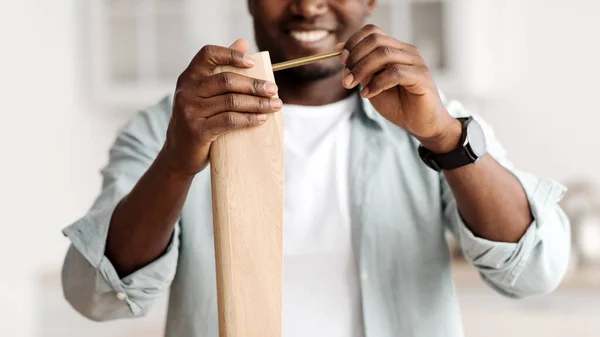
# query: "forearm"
[491,200]
[142,224]
[519,244]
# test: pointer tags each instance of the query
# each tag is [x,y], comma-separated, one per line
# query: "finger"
[374,62]
[237,103]
[228,82]
[211,57]
[359,36]
[409,77]
[382,44]
[240,45]
[229,121]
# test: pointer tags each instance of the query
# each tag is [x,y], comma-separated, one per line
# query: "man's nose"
[309,8]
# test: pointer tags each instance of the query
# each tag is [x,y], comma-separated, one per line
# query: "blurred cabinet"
[138,47]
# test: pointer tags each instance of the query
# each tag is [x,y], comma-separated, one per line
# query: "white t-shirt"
[321,290]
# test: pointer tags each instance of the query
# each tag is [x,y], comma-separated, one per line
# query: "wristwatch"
[472,147]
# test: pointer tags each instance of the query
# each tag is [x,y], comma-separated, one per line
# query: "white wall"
[53,145]
[22,171]
[544,106]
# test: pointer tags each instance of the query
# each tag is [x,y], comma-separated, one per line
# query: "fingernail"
[364,92]
[346,72]
[276,103]
[348,81]
[344,56]
[339,46]
[261,117]
[271,88]
[249,60]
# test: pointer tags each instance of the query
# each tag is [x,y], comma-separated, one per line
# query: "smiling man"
[378,167]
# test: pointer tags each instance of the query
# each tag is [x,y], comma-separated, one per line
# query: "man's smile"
[313,37]
[309,36]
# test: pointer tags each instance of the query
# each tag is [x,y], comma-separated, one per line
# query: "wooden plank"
[247,192]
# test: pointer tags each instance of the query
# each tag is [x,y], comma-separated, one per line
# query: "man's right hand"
[207,106]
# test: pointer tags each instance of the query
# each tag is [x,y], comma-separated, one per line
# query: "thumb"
[240,45]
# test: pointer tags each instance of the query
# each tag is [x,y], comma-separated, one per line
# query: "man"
[365,217]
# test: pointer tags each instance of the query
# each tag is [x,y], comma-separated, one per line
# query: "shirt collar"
[369,114]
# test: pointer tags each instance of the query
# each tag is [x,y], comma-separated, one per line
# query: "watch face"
[476,138]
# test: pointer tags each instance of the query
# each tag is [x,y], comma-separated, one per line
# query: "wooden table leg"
[247,192]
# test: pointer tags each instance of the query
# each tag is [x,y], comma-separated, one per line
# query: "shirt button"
[121,296]
[364,276]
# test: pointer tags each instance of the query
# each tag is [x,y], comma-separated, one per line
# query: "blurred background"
[73,71]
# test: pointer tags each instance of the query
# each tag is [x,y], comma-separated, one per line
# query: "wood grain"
[247,192]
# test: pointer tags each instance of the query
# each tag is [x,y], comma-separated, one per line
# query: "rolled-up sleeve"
[90,282]
[538,262]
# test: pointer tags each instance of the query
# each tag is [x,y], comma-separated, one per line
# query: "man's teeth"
[309,36]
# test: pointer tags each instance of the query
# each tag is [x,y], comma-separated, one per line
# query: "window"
[139,47]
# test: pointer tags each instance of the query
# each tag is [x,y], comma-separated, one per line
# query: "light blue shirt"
[400,210]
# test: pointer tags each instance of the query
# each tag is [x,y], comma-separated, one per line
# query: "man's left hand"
[400,86]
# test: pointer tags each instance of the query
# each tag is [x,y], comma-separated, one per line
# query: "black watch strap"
[454,159]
